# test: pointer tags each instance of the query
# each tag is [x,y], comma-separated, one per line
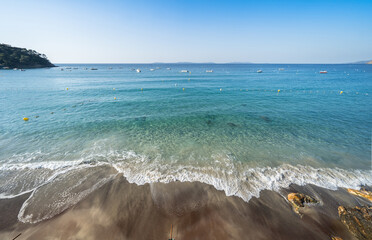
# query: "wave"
[58,185]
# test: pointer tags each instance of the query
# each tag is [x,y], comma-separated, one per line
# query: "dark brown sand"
[121,210]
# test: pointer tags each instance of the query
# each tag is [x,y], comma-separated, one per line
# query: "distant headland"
[14,57]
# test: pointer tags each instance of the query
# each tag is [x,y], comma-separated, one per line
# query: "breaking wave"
[58,185]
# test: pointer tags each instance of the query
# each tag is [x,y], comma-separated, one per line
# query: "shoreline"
[123,210]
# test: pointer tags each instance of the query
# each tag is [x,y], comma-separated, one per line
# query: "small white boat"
[323,71]
[168,68]
[184,71]
[152,69]
[259,71]
[209,71]
[138,70]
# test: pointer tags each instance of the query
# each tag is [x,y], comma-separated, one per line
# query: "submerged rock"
[358,220]
[298,201]
[266,119]
[361,193]
[232,124]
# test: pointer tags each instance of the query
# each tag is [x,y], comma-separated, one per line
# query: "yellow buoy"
[183,89]
[114,98]
[341,92]
[25,119]
[278,90]
[113,89]
[66,88]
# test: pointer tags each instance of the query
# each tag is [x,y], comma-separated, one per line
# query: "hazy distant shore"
[121,210]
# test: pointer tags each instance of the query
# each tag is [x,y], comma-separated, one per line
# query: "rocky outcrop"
[361,193]
[358,220]
[298,200]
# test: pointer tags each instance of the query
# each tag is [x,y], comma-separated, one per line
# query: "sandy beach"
[121,210]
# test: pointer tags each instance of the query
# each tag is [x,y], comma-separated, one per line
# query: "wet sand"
[121,210]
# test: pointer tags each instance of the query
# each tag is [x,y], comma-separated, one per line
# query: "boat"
[94,69]
[259,71]
[281,69]
[168,68]
[323,71]
[209,71]
[138,70]
[152,69]
[184,71]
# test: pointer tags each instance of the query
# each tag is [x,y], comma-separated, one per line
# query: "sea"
[226,125]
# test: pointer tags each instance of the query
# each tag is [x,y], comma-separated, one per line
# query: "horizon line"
[359,62]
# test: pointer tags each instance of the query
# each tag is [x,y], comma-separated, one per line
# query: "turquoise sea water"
[230,128]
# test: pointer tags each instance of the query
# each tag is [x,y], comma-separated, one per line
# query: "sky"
[139,31]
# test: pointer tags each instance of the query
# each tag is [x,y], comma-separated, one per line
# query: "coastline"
[123,210]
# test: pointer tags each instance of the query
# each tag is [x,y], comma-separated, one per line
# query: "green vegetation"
[13,57]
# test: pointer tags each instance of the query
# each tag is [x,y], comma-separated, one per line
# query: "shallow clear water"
[230,128]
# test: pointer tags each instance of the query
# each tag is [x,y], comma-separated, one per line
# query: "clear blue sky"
[137,31]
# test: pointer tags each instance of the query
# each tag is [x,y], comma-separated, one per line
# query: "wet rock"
[298,200]
[361,193]
[358,220]
[336,238]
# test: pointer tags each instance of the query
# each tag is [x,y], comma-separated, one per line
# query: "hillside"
[370,62]
[13,57]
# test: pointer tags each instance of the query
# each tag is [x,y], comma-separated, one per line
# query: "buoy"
[25,119]
[141,89]
[341,92]
[113,89]
[220,89]
[278,90]
[114,98]
[66,88]
[183,89]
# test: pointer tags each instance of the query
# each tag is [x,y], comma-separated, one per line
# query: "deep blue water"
[230,128]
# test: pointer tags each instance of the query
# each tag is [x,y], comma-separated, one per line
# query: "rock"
[266,119]
[361,193]
[232,124]
[358,220]
[336,238]
[298,200]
